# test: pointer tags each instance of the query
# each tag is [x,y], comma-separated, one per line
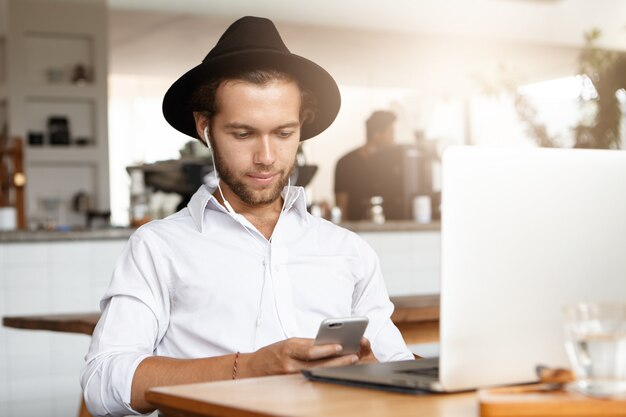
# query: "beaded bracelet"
[235,365]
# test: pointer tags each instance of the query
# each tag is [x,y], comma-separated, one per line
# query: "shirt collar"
[296,200]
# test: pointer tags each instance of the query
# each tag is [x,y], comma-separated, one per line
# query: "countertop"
[19,236]
[124,233]
[392,226]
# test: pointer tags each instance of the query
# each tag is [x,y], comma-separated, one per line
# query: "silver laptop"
[524,231]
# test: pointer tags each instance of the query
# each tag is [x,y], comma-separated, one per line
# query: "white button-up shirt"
[203,283]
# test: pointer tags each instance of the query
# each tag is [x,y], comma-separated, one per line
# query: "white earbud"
[229,208]
[206,137]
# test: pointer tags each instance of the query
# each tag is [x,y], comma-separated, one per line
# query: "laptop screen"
[524,231]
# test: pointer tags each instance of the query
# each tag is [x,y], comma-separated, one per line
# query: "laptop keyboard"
[426,371]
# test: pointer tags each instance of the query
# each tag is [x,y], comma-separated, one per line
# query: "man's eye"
[285,133]
[242,135]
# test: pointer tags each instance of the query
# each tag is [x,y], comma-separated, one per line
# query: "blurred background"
[496,72]
[475,72]
[87,155]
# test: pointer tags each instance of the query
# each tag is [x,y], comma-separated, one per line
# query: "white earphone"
[206,137]
[229,208]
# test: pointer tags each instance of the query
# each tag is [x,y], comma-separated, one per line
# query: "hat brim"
[176,103]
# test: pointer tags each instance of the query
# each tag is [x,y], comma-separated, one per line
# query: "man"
[355,172]
[236,284]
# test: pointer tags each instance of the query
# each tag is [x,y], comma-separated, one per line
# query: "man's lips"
[263,177]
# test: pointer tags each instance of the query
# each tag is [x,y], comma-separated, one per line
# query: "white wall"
[39,370]
[410,261]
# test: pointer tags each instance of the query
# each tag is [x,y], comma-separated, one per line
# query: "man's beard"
[241,190]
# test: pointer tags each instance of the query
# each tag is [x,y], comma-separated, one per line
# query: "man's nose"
[265,153]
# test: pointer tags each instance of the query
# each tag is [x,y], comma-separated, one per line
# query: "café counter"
[124,233]
[23,236]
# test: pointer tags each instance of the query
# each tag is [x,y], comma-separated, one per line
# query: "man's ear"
[202,123]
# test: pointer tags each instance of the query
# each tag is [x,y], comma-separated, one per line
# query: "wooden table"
[417,317]
[83,323]
[294,396]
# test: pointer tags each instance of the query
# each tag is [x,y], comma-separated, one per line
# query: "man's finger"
[365,347]
[331,362]
[314,353]
[304,349]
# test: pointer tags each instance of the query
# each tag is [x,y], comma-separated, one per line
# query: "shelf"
[53,74]
[47,154]
[54,56]
[79,112]
[61,91]
[52,188]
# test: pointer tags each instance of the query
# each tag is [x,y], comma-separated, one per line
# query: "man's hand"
[288,356]
[365,353]
[292,355]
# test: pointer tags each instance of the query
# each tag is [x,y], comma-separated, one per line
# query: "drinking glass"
[595,341]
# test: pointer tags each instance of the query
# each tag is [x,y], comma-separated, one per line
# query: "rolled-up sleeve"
[370,299]
[135,314]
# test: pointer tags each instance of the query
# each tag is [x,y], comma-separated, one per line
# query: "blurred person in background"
[354,173]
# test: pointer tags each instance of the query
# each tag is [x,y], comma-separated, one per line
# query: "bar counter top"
[392,226]
[23,236]
[18,236]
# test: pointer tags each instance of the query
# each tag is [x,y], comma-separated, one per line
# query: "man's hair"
[378,122]
[204,98]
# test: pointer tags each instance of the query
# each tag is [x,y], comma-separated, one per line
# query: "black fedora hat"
[252,43]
